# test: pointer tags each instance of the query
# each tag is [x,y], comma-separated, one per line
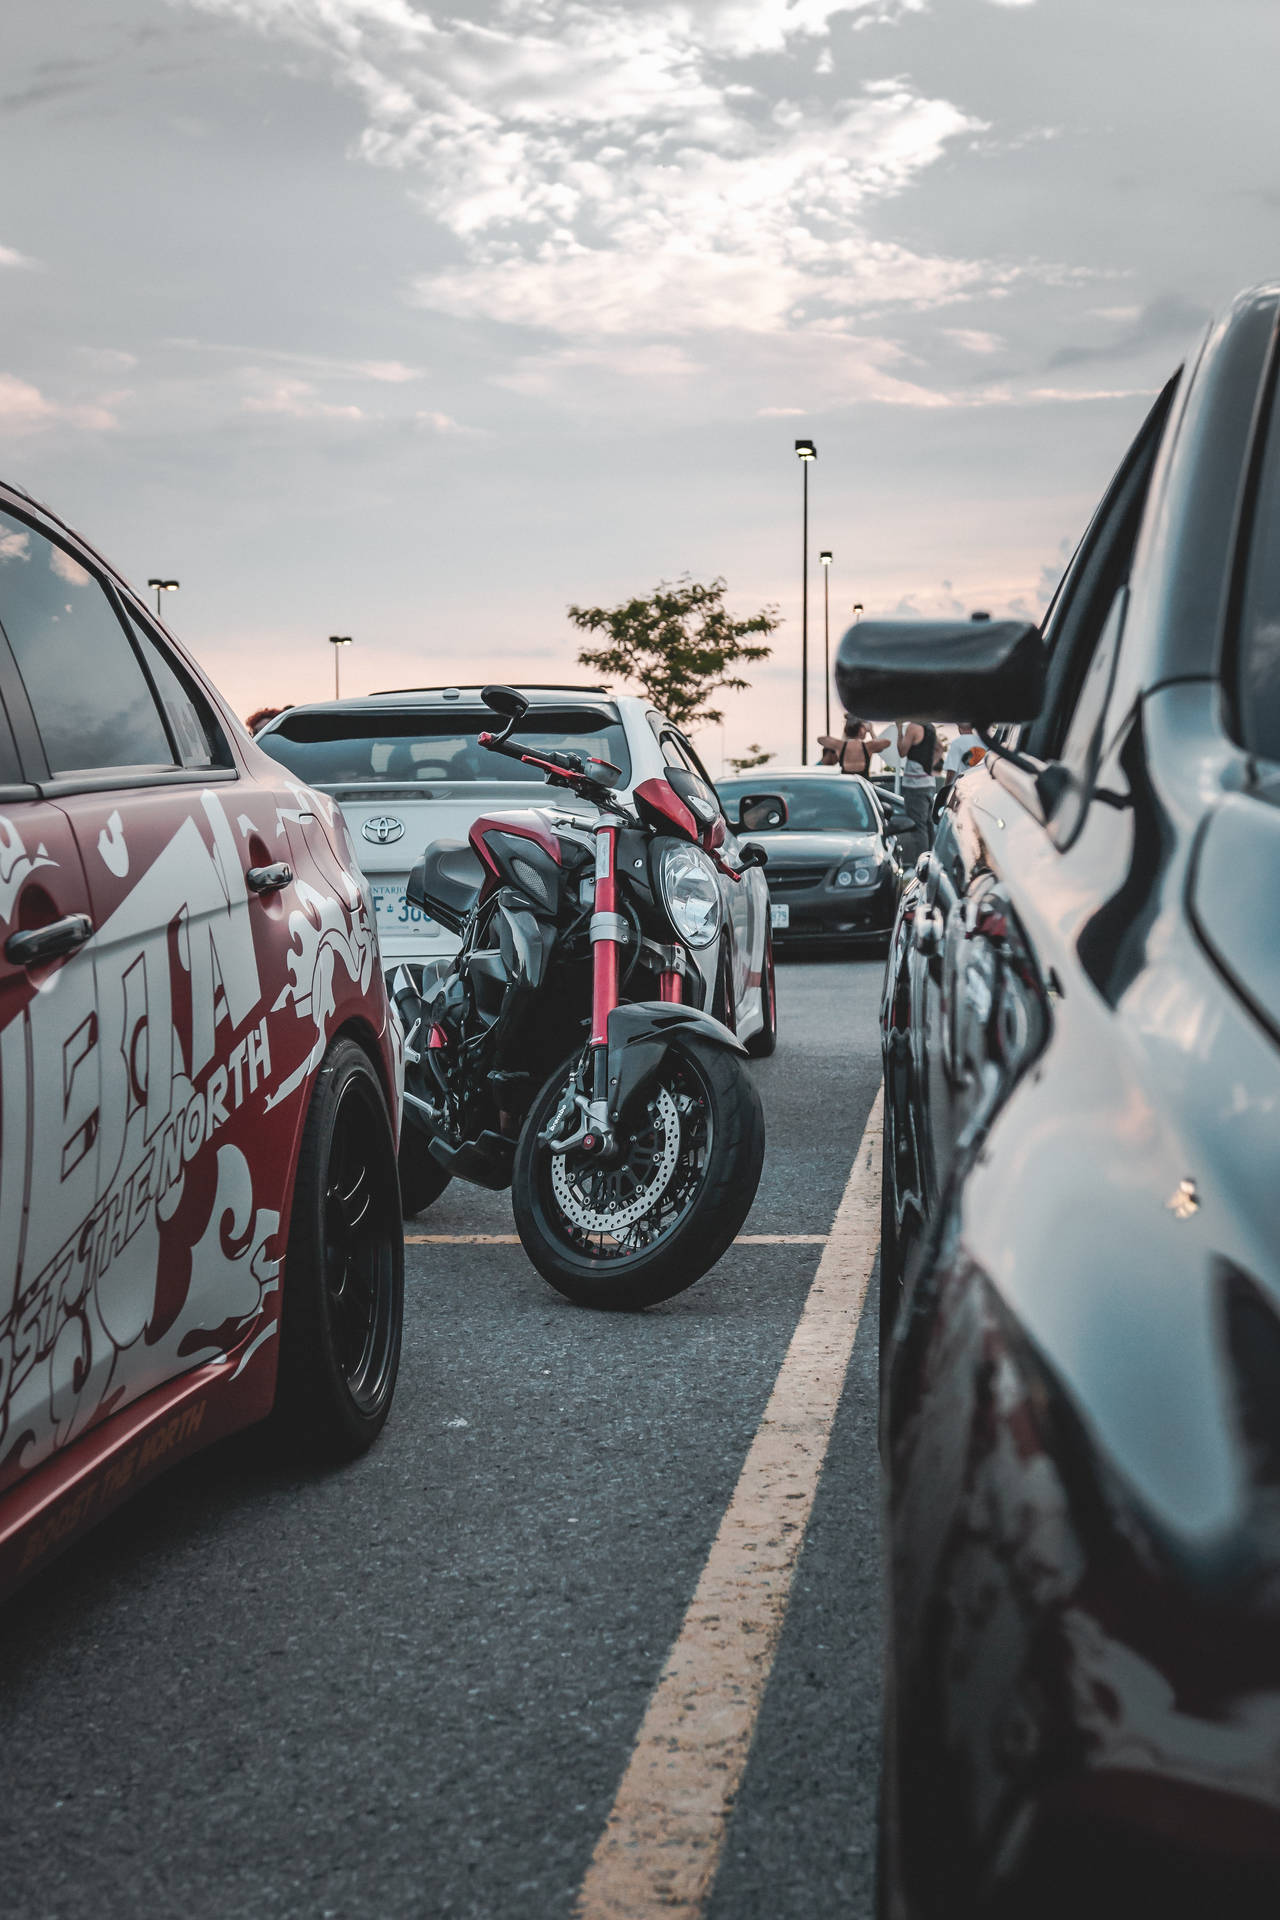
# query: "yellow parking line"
[513,1240]
[658,1855]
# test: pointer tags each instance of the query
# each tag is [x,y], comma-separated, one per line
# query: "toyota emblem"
[384,829]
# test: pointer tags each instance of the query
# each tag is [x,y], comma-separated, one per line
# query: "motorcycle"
[560,1052]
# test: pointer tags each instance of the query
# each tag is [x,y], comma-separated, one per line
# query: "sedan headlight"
[690,892]
[861,874]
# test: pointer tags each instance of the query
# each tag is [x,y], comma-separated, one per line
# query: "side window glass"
[199,737]
[1083,729]
[1257,689]
[89,695]
[11,774]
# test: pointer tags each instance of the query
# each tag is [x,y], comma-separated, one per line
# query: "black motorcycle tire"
[422,1179]
[708,1227]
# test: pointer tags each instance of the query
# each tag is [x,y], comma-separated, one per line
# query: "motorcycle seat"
[448,876]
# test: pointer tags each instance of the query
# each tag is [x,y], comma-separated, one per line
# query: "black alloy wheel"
[343,1307]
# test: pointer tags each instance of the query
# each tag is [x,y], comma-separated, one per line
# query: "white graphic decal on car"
[15,866]
[325,931]
[112,846]
[131,1246]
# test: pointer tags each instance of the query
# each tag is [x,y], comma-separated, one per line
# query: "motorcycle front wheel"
[643,1224]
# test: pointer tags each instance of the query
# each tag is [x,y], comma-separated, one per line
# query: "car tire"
[342,1311]
[422,1179]
[763,1042]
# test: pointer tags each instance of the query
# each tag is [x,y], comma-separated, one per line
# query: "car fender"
[639,1038]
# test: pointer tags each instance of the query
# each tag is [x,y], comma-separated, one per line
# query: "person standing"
[965,751]
[851,752]
[917,744]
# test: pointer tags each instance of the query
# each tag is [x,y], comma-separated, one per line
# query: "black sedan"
[1081,1249]
[833,867]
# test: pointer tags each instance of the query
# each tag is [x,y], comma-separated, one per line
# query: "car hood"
[803,849]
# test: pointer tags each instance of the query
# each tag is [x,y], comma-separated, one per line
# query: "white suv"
[406,769]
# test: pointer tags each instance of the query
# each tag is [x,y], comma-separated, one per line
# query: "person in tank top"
[918,746]
[852,750]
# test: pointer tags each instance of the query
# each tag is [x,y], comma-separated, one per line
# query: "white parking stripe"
[660,1849]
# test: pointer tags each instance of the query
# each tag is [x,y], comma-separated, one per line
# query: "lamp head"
[805,450]
[825,559]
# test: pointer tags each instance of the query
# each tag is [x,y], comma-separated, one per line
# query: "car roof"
[445,699]
[765,774]
[446,695]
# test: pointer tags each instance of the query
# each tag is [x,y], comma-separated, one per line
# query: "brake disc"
[591,1196]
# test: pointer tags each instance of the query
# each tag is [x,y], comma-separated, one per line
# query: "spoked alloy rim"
[359,1250]
[616,1209]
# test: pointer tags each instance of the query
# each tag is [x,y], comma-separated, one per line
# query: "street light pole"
[805,452]
[825,559]
[337,641]
[162,586]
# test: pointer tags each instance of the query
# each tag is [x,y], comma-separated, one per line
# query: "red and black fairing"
[683,807]
[519,849]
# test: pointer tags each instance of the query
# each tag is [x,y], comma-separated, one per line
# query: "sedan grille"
[794,879]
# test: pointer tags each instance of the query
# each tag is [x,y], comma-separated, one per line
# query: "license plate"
[779,916]
[394,913]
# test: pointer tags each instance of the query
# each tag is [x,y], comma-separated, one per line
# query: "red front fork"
[605,945]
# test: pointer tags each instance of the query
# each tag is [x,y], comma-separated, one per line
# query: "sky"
[419,324]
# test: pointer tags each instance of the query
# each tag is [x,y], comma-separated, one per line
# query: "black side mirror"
[507,701]
[753,856]
[986,671]
[900,821]
[761,813]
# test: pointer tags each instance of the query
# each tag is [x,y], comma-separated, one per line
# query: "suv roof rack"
[528,686]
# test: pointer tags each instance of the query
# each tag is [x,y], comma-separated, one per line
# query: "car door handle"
[37,944]
[269,879]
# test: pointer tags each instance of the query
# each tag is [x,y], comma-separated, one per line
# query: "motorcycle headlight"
[690,892]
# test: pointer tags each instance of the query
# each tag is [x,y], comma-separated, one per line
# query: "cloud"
[970,340]
[10,257]
[1168,318]
[24,409]
[620,169]
[109,359]
[299,399]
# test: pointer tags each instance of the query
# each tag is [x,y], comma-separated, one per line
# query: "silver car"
[406,770]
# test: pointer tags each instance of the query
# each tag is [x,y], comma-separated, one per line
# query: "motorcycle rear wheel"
[701,1127]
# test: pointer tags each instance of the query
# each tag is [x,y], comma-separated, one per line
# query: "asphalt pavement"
[410,1688]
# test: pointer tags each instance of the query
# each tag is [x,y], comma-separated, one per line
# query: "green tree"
[680,644]
[751,758]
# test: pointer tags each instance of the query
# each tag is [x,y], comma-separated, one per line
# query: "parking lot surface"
[411,1687]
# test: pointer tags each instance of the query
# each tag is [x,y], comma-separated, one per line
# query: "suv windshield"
[813,806]
[373,746]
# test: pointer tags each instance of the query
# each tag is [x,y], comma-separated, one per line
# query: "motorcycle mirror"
[505,700]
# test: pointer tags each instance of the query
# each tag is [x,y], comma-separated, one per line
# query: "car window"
[199,739]
[813,806]
[1257,653]
[370,745]
[11,774]
[1091,704]
[90,697]
[1084,601]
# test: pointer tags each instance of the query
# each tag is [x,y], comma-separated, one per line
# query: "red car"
[199,1072]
